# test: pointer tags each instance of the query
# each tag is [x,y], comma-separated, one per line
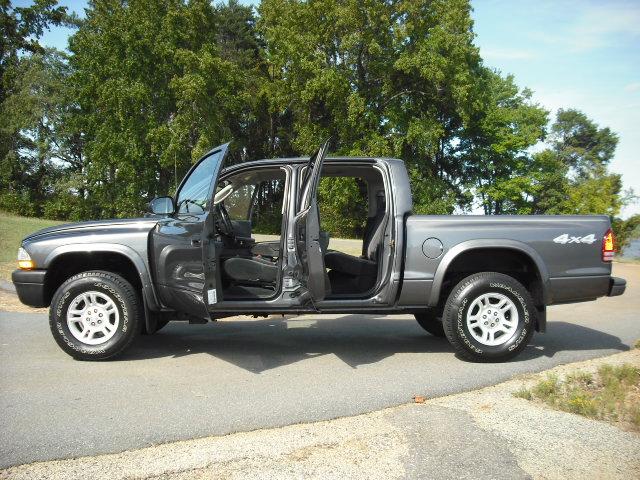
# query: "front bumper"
[617,286]
[30,287]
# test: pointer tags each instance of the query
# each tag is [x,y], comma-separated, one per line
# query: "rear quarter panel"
[570,271]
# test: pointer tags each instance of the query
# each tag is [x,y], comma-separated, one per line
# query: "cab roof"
[302,160]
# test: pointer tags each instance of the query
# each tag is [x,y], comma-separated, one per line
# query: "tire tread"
[449,327]
[126,289]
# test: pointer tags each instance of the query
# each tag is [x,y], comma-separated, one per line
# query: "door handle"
[195,242]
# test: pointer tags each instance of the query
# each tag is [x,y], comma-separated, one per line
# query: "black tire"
[108,286]
[461,300]
[431,322]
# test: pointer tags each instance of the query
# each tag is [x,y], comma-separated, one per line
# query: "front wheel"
[489,317]
[95,315]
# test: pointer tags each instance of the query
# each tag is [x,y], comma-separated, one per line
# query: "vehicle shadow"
[260,345]
[566,337]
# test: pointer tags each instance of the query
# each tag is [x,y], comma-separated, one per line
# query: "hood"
[134,223]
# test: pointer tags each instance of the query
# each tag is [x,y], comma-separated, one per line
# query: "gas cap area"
[432,247]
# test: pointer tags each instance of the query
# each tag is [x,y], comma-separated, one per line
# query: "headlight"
[24,260]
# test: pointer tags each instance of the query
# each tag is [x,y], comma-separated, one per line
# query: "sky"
[582,54]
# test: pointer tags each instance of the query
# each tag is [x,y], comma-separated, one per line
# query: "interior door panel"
[308,228]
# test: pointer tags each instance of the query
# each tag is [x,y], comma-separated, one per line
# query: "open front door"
[181,243]
[211,247]
[308,227]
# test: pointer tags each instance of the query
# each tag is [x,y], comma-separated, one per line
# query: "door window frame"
[212,184]
[278,299]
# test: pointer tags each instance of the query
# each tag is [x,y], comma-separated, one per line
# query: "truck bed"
[566,251]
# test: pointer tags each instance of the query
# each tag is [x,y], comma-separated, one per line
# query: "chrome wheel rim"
[93,318]
[492,319]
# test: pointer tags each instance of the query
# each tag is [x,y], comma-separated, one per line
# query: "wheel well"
[510,262]
[68,264]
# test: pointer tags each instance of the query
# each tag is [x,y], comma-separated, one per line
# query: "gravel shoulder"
[483,433]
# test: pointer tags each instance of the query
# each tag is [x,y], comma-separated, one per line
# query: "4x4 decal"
[566,238]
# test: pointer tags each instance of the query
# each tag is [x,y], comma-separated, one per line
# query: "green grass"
[612,394]
[12,230]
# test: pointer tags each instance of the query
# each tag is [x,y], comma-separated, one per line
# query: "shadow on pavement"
[260,345]
[565,336]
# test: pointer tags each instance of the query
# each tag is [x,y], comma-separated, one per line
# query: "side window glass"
[193,196]
[239,202]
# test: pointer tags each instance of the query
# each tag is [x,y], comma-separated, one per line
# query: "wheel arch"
[473,250]
[67,260]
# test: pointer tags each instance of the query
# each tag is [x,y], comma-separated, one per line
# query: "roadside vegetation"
[12,230]
[147,87]
[611,394]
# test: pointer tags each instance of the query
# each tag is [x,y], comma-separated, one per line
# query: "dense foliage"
[147,86]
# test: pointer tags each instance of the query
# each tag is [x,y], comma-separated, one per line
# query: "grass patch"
[612,394]
[12,230]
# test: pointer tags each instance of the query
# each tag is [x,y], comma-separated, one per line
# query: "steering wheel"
[223,221]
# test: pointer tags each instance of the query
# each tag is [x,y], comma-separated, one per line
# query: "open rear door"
[308,227]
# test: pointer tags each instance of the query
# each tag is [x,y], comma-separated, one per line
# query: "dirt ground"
[9,303]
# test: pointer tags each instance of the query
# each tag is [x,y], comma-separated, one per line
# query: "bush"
[625,230]
[66,207]
[18,203]
[612,394]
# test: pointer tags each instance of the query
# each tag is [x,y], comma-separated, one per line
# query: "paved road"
[197,380]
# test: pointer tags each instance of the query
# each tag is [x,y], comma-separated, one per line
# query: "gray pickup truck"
[482,281]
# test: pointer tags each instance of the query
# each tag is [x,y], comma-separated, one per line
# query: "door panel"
[308,228]
[177,251]
[310,252]
[211,248]
[179,241]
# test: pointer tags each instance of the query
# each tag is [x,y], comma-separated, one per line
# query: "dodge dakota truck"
[483,282]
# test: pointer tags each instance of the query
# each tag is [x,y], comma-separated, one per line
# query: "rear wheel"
[489,317]
[95,315]
[431,322]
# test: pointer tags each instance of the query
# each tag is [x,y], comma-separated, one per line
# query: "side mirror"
[162,206]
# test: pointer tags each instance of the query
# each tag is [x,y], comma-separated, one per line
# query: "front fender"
[463,247]
[138,261]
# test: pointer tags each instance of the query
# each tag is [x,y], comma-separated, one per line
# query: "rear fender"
[469,245]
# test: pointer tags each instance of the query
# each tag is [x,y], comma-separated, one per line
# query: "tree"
[32,117]
[495,146]
[21,27]
[625,231]
[580,152]
[155,92]
[26,103]
[382,78]
[150,85]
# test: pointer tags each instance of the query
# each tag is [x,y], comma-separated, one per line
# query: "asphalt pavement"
[191,381]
